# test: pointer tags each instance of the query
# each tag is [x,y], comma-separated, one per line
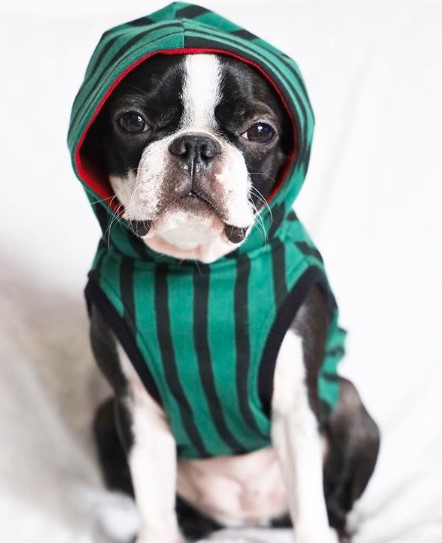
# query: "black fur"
[155,93]
[353,445]
[245,95]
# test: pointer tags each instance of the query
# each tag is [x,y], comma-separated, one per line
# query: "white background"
[372,202]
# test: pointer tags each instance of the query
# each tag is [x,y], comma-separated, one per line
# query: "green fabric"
[204,331]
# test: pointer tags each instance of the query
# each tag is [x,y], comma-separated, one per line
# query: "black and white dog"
[177,123]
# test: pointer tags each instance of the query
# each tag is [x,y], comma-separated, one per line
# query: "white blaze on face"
[141,190]
[201,93]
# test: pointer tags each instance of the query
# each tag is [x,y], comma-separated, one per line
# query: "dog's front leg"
[152,463]
[297,442]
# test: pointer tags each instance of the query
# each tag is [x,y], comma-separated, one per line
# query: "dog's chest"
[236,491]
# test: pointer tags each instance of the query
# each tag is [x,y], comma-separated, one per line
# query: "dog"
[191,147]
[163,133]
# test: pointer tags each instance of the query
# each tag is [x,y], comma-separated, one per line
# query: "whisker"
[262,199]
[196,262]
[261,225]
[261,196]
[116,216]
[132,196]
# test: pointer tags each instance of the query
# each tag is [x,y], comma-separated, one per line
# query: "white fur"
[187,232]
[201,92]
[152,462]
[203,251]
[296,439]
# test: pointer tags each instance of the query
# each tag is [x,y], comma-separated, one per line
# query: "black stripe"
[95,272]
[119,327]
[281,324]
[332,377]
[241,307]
[201,281]
[127,292]
[138,245]
[306,155]
[285,60]
[101,211]
[244,34]
[308,250]
[191,12]
[127,46]
[338,351]
[161,290]
[292,216]
[252,55]
[135,40]
[278,268]
[103,52]
[278,215]
[142,21]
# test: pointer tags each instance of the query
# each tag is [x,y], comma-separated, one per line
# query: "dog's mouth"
[199,204]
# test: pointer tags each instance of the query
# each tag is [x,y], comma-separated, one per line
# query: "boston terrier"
[193,146]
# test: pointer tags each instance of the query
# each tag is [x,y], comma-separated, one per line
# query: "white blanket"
[372,201]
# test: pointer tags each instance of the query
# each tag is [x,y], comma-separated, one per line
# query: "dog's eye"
[133,123]
[260,133]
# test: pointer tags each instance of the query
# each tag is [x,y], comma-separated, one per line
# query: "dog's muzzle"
[192,183]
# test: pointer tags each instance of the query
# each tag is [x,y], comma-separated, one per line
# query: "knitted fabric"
[205,338]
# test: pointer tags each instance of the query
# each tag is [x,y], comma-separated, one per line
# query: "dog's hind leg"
[111,454]
[352,448]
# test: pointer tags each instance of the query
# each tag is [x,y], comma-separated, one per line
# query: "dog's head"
[192,146]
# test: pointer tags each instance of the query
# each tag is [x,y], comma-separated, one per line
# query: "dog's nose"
[195,151]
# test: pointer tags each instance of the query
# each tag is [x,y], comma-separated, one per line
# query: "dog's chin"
[189,230]
[207,249]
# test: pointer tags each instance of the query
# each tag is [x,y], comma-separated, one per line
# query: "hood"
[182,28]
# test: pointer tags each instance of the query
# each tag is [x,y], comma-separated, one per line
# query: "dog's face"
[192,146]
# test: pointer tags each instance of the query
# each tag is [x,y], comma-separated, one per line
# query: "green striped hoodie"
[204,338]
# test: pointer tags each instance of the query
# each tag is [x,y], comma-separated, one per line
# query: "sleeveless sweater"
[204,338]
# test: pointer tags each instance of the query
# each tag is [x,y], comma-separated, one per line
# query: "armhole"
[284,318]
[94,295]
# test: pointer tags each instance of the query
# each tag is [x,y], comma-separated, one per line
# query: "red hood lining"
[102,187]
